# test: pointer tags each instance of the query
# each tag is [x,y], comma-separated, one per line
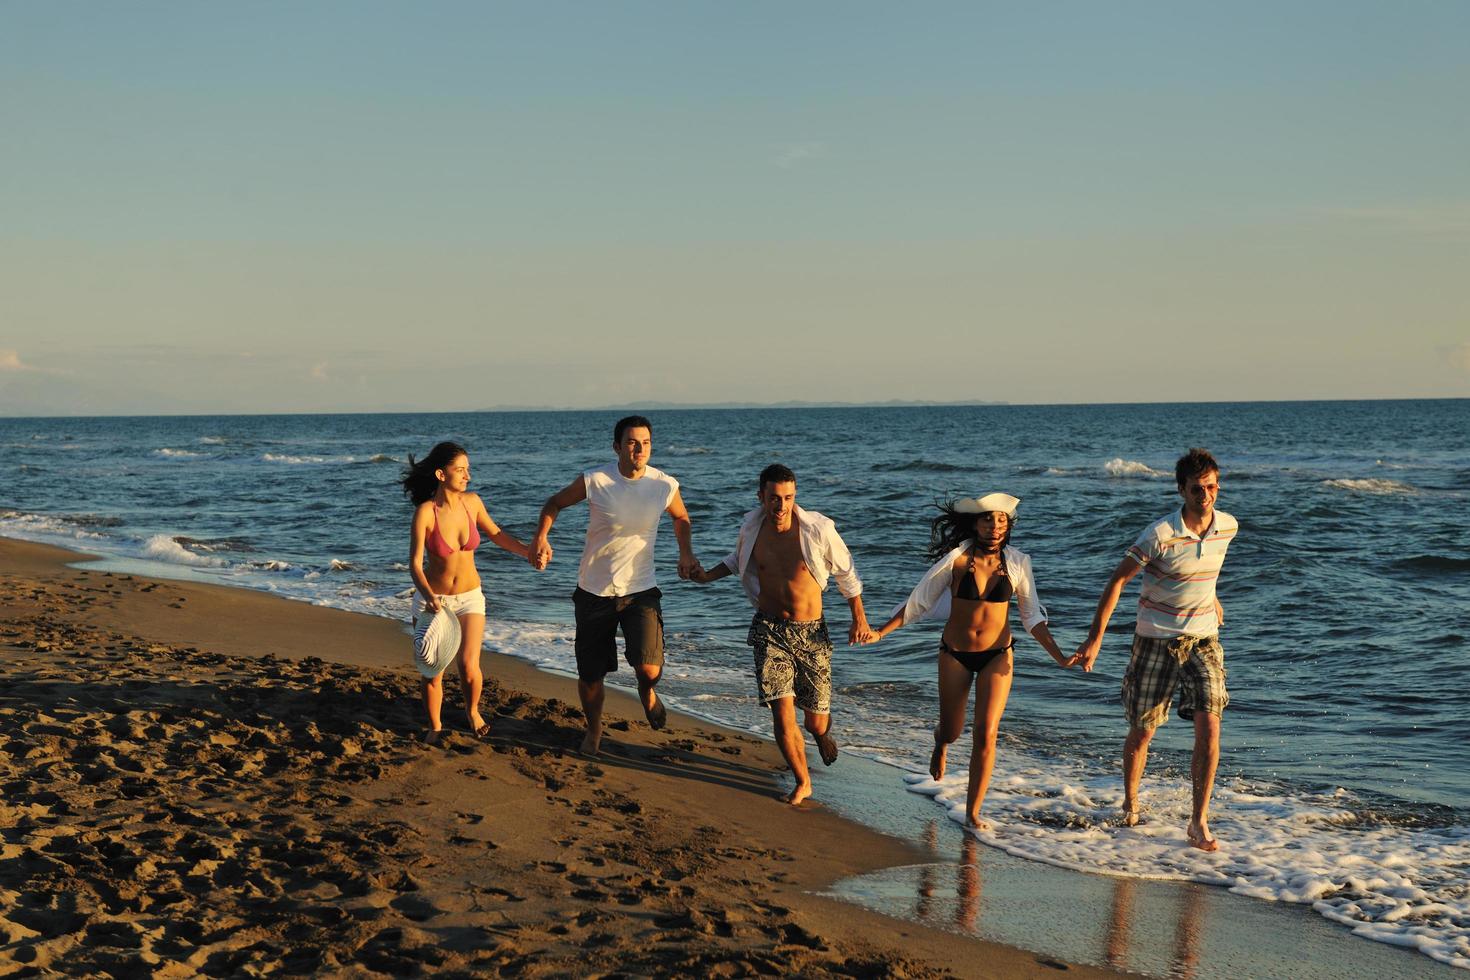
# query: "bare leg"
[471,635]
[1135,757]
[793,748]
[820,725]
[954,694]
[648,677]
[992,687]
[433,702]
[592,693]
[1202,778]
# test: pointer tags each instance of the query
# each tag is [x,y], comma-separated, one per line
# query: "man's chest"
[778,555]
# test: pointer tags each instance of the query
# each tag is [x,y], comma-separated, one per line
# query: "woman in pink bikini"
[447,521]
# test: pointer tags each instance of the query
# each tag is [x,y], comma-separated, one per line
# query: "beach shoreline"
[201,779]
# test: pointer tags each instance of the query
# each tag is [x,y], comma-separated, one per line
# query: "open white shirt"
[821,548]
[931,597]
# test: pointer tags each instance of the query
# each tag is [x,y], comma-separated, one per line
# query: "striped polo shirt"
[1177,597]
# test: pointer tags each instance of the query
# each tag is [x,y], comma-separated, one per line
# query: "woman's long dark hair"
[951,527]
[419,481]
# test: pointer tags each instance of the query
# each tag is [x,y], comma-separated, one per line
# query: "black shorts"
[598,619]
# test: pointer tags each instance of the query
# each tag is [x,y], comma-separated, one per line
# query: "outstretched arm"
[689,567]
[1088,650]
[503,539]
[1042,634]
[859,632]
[573,493]
[886,628]
[707,575]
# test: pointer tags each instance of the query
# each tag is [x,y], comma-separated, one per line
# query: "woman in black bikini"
[972,582]
[447,522]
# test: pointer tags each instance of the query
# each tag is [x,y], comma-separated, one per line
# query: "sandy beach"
[201,780]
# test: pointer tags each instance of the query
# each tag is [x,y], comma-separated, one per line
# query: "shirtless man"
[616,587]
[784,557]
[1176,641]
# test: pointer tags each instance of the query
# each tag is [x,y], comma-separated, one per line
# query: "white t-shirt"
[622,525]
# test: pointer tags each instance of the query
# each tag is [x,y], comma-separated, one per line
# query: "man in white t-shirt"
[615,583]
[1176,642]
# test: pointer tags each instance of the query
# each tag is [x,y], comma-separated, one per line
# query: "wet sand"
[201,780]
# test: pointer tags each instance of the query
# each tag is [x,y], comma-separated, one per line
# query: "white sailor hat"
[1002,502]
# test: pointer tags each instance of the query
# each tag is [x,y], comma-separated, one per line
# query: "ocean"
[1342,782]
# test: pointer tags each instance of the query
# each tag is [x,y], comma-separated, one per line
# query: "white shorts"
[471,603]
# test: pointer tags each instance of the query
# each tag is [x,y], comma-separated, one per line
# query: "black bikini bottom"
[975,660]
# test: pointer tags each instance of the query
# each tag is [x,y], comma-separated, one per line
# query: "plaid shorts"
[1193,664]
[793,660]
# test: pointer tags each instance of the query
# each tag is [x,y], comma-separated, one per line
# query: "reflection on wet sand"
[1187,928]
[1137,933]
[968,883]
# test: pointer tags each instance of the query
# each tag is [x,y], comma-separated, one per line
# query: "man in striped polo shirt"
[1176,642]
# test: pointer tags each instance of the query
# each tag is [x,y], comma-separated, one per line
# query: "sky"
[360,206]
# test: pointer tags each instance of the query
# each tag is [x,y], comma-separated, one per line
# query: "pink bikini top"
[442,548]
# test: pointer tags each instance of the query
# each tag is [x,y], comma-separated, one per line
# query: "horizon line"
[636,407]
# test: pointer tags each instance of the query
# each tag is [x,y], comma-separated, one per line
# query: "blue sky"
[357,207]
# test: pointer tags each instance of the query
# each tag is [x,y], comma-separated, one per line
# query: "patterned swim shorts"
[793,660]
[1195,665]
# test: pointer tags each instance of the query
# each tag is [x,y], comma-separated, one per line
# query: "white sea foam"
[40,527]
[1131,469]
[175,454]
[1372,486]
[212,440]
[162,547]
[304,460]
[1393,884]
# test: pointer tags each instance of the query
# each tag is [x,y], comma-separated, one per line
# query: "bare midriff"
[788,590]
[453,574]
[974,624]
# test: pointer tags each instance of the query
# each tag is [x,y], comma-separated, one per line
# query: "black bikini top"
[999,590]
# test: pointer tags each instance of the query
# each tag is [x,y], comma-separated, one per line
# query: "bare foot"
[1199,836]
[1130,818]
[936,760]
[797,795]
[592,741]
[433,736]
[973,820]
[478,726]
[827,746]
[658,715]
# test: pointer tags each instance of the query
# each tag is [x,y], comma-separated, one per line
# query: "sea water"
[1342,784]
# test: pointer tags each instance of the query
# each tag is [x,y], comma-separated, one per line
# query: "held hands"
[1072,661]
[1087,653]
[539,554]
[859,634]
[690,569]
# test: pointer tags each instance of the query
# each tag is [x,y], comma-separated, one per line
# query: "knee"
[1138,738]
[647,673]
[984,737]
[818,724]
[1206,726]
[949,733]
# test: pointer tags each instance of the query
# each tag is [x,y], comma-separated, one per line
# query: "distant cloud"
[1458,356]
[319,371]
[10,361]
[798,153]
[1449,218]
